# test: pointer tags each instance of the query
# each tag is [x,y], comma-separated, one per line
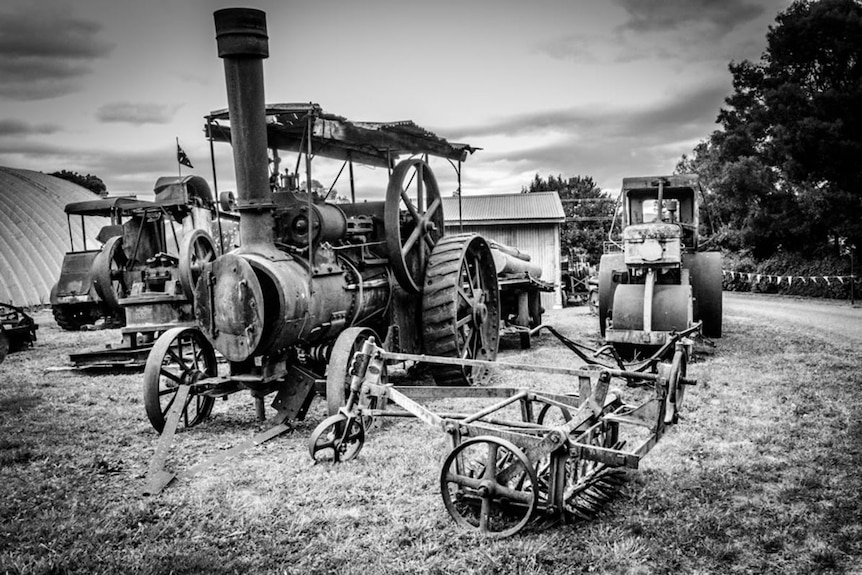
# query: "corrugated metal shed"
[34,234]
[540,207]
[529,222]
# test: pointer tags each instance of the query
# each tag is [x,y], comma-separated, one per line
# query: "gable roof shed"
[496,209]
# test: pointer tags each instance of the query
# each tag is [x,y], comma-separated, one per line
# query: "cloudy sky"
[601,88]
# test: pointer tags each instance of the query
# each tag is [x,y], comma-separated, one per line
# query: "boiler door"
[229,306]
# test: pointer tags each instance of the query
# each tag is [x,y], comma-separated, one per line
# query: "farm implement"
[17,330]
[528,454]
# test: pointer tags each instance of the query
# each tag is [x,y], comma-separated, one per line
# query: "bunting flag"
[778,280]
[182,158]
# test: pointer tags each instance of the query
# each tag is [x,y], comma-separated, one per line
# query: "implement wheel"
[675,387]
[412,232]
[181,356]
[461,307]
[488,484]
[337,438]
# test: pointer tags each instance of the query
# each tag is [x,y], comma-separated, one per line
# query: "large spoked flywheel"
[414,221]
[461,307]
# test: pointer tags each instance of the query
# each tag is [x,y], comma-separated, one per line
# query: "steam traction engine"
[308,270]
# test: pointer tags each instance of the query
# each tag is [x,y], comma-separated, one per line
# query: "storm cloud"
[136,113]
[45,55]
[661,15]
[10,127]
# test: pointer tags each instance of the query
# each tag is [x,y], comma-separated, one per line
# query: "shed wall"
[541,241]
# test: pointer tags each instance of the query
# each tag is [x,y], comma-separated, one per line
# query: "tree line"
[783,173]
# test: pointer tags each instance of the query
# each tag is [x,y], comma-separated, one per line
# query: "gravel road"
[834,319]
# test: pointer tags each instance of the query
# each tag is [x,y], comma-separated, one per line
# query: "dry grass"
[762,476]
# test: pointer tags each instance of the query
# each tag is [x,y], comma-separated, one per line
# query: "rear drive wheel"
[74,317]
[706,287]
[107,272]
[181,356]
[461,307]
[608,265]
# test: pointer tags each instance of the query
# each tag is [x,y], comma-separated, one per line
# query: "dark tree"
[785,171]
[588,212]
[90,182]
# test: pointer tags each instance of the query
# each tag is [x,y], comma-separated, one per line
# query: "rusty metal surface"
[229,306]
[371,143]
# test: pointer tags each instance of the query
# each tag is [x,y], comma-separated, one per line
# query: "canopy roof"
[373,143]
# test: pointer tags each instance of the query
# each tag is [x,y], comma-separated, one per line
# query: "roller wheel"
[413,217]
[338,370]
[74,317]
[488,484]
[181,356]
[338,438]
[461,307]
[197,249]
[4,346]
[593,299]
[107,272]
[706,287]
[675,387]
[609,263]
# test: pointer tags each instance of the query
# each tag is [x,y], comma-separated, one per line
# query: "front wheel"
[181,356]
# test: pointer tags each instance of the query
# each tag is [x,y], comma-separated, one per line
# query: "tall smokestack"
[243,44]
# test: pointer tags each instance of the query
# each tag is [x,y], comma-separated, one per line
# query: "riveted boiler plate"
[229,306]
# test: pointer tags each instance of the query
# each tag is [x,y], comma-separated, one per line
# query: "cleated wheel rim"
[413,217]
[489,485]
[461,308]
[180,356]
[336,439]
[197,250]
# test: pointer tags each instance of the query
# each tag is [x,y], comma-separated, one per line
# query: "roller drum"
[671,307]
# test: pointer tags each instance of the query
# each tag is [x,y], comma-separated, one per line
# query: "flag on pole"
[182,158]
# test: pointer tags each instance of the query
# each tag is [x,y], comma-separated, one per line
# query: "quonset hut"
[34,233]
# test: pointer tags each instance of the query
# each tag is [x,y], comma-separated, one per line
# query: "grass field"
[763,475]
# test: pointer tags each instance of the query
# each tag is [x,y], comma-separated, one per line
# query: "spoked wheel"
[338,374]
[337,438]
[552,415]
[461,308]
[413,217]
[675,387]
[107,272]
[488,484]
[181,356]
[196,250]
